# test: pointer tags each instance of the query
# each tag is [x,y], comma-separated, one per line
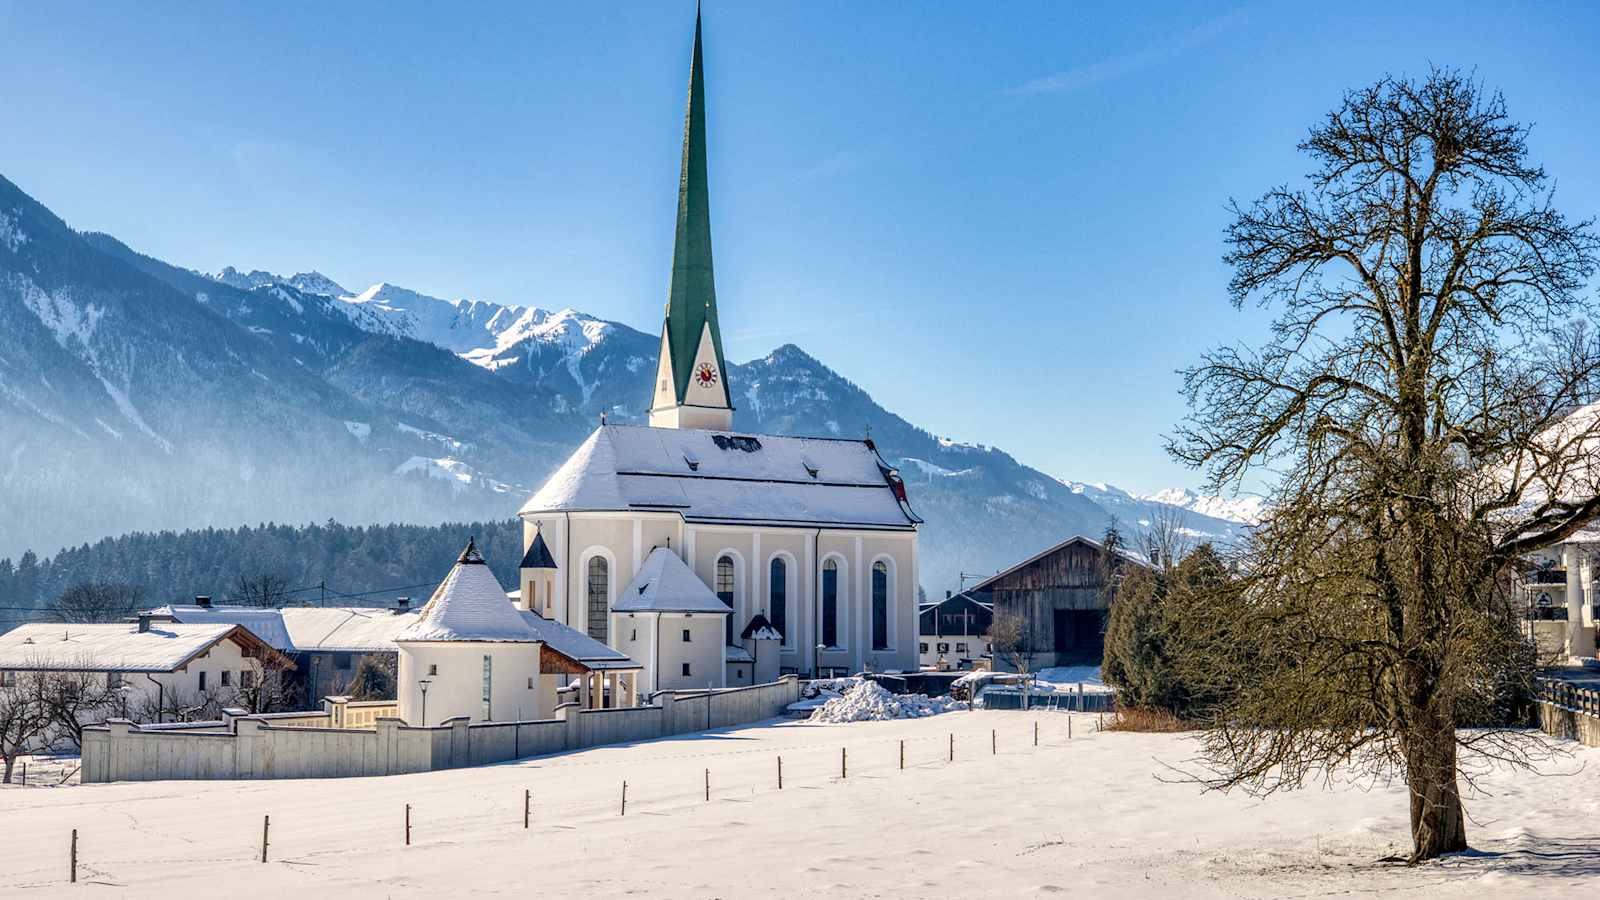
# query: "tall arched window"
[599,598]
[725,581]
[830,603]
[880,605]
[778,594]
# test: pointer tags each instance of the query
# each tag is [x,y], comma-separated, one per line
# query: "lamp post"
[423,684]
[820,647]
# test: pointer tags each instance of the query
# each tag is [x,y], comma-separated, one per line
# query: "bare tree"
[23,719]
[265,686]
[1415,401]
[266,590]
[73,699]
[98,601]
[1166,540]
[375,678]
[1008,635]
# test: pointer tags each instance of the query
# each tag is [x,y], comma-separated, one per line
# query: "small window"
[686,640]
[227,678]
[530,682]
[247,679]
[686,667]
[738,673]
[633,635]
[202,680]
[113,680]
[961,648]
[922,648]
[8,679]
[433,669]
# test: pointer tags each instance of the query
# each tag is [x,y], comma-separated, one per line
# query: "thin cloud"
[1122,66]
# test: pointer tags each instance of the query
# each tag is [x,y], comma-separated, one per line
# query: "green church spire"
[692,300]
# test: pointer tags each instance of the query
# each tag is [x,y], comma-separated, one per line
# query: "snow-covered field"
[1087,817]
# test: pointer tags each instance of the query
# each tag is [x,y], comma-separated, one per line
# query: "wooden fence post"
[780,773]
[844,770]
[994,746]
[952,746]
[624,799]
[266,823]
[1036,732]
[527,806]
[708,785]
[74,862]
[408,824]
[902,754]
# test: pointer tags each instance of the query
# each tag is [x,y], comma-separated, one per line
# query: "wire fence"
[673,778]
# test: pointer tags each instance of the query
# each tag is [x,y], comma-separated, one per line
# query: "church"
[709,556]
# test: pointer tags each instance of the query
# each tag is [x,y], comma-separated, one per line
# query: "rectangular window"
[247,679]
[961,648]
[227,678]
[8,679]
[686,670]
[686,635]
[880,606]
[113,680]
[922,648]
[487,677]
[830,603]
[433,669]
[202,680]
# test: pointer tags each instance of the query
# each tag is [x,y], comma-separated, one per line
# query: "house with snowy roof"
[472,652]
[158,671]
[809,543]
[327,643]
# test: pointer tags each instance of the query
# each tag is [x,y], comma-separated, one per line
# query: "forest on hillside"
[330,564]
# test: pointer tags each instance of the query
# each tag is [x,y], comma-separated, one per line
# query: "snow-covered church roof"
[723,477]
[469,605]
[666,584]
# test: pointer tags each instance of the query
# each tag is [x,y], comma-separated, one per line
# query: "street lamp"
[423,683]
[820,647]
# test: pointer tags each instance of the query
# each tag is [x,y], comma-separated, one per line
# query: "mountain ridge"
[289,398]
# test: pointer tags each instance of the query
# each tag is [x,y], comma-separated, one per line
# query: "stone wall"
[1569,710]
[256,747]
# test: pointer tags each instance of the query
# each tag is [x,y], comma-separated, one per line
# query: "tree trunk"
[11,763]
[1438,825]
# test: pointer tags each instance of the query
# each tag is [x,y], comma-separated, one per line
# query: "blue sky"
[1003,221]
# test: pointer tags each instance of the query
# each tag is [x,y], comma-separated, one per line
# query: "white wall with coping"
[251,747]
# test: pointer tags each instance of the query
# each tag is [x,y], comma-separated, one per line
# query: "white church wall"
[455,675]
[703,652]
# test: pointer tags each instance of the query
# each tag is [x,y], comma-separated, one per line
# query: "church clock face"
[706,375]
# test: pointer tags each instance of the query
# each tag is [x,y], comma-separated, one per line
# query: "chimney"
[144,622]
[401,604]
[203,602]
[947,593]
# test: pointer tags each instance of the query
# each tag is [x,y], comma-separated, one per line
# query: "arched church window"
[725,581]
[778,595]
[599,597]
[880,605]
[830,603]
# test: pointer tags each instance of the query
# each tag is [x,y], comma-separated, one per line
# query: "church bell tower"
[691,386]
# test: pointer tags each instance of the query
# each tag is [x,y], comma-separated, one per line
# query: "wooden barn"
[1060,594]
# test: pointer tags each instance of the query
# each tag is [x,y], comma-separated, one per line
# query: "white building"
[471,652]
[161,671]
[812,535]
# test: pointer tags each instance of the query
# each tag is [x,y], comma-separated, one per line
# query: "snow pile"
[867,701]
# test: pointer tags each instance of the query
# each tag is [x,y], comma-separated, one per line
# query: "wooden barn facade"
[1060,594]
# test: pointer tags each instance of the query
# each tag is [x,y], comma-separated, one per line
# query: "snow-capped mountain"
[1194,522]
[139,395]
[1246,509]
[309,282]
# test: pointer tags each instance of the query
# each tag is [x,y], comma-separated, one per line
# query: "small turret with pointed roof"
[538,555]
[691,387]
